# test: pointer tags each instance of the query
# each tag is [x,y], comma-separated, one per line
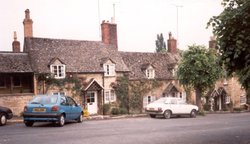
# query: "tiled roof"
[78,56]
[162,64]
[14,62]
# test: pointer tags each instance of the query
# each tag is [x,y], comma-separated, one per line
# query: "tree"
[232,31]
[199,69]
[160,44]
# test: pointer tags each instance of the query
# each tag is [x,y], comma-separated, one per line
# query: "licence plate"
[39,109]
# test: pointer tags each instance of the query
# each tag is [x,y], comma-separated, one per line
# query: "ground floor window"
[243,99]
[59,93]
[148,99]
[110,96]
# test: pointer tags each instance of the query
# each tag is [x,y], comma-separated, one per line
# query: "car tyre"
[167,114]
[61,121]
[80,119]
[193,114]
[152,115]
[29,123]
[3,119]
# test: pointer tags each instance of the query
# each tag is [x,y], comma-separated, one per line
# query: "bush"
[237,109]
[115,111]
[106,108]
[123,111]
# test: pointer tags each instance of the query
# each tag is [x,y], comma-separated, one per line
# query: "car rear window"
[44,100]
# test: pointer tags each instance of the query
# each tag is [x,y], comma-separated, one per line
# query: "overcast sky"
[138,21]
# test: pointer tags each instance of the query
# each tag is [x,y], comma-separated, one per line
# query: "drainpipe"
[103,84]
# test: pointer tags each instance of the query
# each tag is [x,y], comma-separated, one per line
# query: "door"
[91,99]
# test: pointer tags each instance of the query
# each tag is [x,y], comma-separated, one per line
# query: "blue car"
[52,108]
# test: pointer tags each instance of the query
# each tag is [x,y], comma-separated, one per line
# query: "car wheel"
[152,115]
[61,120]
[167,114]
[80,119]
[3,119]
[29,123]
[193,114]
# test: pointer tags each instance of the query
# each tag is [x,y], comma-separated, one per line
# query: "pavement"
[17,119]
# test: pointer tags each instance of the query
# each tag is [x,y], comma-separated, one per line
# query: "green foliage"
[160,43]
[137,89]
[123,111]
[106,108]
[115,111]
[199,69]
[232,28]
[62,83]
[121,89]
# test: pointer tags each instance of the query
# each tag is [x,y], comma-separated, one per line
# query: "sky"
[138,21]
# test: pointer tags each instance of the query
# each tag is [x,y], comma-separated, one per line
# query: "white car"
[170,106]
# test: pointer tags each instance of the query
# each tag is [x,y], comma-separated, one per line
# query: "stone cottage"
[82,69]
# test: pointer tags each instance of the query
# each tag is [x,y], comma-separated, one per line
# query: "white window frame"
[243,100]
[150,73]
[56,73]
[109,69]
[146,100]
[59,93]
[110,96]
[227,99]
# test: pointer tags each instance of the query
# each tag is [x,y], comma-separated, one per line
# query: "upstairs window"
[58,71]
[150,73]
[109,69]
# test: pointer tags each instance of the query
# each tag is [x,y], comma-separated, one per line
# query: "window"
[109,69]
[147,100]
[227,99]
[110,96]
[2,82]
[91,97]
[71,102]
[243,100]
[59,93]
[150,73]
[16,81]
[58,71]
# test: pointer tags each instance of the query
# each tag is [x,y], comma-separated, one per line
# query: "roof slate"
[78,56]
[162,64]
[14,62]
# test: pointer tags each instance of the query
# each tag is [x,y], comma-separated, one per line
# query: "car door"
[65,107]
[74,108]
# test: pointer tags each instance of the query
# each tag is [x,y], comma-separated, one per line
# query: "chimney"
[15,44]
[212,42]
[109,33]
[27,23]
[172,47]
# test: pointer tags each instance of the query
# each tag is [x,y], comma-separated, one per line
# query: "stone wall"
[15,102]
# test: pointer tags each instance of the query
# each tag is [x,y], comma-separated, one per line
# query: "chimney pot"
[172,44]
[27,23]
[15,44]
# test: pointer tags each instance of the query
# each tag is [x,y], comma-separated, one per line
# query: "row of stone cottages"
[89,70]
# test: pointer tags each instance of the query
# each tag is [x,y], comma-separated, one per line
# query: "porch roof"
[11,62]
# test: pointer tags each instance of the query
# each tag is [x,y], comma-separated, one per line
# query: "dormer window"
[150,73]
[109,69]
[58,70]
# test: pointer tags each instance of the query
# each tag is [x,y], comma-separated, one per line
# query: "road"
[209,129]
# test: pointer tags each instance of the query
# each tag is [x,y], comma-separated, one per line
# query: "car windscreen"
[44,100]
